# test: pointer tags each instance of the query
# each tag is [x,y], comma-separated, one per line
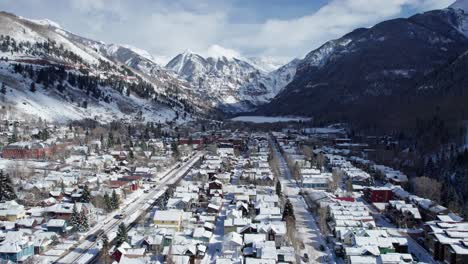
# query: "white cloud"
[167,27]
[217,51]
[331,21]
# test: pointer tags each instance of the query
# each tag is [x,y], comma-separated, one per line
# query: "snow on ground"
[216,241]
[307,229]
[269,119]
[7,163]
[50,105]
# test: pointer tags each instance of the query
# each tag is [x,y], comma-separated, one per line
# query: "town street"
[88,250]
[307,230]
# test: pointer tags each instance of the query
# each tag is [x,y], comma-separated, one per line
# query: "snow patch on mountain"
[460,4]
[267,64]
[461,8]
[43,22]
[320,56]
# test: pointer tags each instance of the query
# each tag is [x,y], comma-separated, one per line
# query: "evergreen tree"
[85,195]
[32,88]
[7,191]
[115,200]
[288,210]
[108,203]
[75,219]
[84,225]
[3,90]
[105,258]
[62,187]
[122,235]
[175,150]
[278,188]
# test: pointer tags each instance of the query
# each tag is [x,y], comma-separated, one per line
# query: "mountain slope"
[364,76]
[115,81]
[232,84]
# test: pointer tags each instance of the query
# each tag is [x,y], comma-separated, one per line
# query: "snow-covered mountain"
[267,64]
[460,4]
[233,84]
[75,77]
[385,76]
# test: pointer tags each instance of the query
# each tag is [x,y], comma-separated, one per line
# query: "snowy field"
[269,119]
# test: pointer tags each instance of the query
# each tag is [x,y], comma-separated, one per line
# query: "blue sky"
[281,29]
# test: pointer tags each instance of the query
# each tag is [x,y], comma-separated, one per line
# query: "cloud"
[333,20]
[217,51]
[213,27]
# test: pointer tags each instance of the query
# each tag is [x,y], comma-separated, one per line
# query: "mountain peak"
[219,52]
[188,52]
[43,22]
[460,4]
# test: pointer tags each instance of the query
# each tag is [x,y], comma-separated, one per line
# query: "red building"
[27,150]
[124,185]
[190,141]
[378,194]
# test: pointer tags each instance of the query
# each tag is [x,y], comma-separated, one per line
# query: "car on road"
[91,237]
[119,216]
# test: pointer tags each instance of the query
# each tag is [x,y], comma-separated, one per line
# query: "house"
[320,182]
[168,219]
[232,245]
[121,251]
[27,150]
[200,234]
[11,211]
[225,150]
[274,231]
[17,249]
[446,240]
[456,253]
[215,185]
[378,194]
[65,210]
[57,225]
[27,223]
[403,214]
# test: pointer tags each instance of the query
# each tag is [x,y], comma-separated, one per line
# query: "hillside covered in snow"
[74,78]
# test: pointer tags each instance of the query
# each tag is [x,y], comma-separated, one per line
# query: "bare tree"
[337,179]
[427,188]
[323,219]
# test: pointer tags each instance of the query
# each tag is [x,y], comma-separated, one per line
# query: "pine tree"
[75,219]
[288,210]
[33,87]
[84,224]
[62,187]
[3,90]
[278,188]
[7,191]
[115,200]
[105,249]
[85,195]
[122,235]
[107,202]
[175,151]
